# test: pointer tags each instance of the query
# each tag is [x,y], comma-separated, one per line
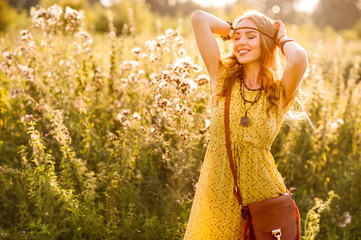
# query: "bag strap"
[229,151]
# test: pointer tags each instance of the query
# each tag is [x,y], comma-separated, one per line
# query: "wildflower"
[163,84]
[9,56]
[136,50]
[5,67]
[181,52]
[166,76]
[161,102]
[171,33]
[16,91]
[85,37]
[153,76]
[179,41]
[202,80]
[43,43]
[81,105]
[54,14]
[161,40]
[151,45]
[335,124]
[346,219]
[27,72]
[135,64]
[207,123]
[72,18]
[183,63]
[27,117]
[133,77]
[183,135]
[126,112]
[136,116]
[122,117]
[340,121]
[207,142]
[48,19]
[166,49]
[186,74]
[141,72]
[26,36]
[184,87]
[153,58]
[197,68]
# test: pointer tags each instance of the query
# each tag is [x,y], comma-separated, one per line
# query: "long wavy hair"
[270,61]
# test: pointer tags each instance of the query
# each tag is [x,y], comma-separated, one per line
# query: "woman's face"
[247,43]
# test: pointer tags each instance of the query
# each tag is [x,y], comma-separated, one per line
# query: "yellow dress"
[215,212]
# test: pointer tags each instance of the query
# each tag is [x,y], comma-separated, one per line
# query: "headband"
[256,29]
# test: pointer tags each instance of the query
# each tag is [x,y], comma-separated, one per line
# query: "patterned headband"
[256,30]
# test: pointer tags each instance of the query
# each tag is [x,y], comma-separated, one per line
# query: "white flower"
[207,123]
[170,33]
[136,50]
[136,116]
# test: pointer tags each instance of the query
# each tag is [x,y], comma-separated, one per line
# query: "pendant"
[245,121]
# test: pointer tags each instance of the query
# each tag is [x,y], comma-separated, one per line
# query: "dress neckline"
[248,89]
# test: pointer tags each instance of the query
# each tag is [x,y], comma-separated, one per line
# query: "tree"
[277,9]
[7,16]
[21,4]
[172,7]
[340,14]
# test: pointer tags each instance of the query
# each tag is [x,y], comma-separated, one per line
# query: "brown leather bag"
[276,218]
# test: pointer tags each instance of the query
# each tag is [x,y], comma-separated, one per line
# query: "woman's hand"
[281,30]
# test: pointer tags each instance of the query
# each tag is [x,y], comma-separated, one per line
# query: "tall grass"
[102,136]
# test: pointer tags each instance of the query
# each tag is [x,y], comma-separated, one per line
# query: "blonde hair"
[270,61]
[271,70]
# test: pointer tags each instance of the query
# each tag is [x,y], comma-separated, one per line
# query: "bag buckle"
[277,234]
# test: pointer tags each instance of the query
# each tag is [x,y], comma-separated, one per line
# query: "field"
[102,135]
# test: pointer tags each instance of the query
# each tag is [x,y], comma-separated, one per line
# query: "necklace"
[245,121]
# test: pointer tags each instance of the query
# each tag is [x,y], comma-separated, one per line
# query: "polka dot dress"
[215,212]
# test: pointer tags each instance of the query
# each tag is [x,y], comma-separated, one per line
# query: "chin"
[245,61]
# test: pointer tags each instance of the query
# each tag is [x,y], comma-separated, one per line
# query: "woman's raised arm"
[204,25]
[296,63]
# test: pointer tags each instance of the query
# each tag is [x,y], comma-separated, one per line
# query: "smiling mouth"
[243,52]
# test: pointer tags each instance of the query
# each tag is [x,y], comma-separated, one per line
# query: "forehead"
[246,23]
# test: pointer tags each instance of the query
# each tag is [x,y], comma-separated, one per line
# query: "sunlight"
[307,6]
[213,3]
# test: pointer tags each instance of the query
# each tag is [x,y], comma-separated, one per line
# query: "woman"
[261,95]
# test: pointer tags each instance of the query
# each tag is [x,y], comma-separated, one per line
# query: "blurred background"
[340,15]
[104,117]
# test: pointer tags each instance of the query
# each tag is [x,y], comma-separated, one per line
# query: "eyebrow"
[247,32]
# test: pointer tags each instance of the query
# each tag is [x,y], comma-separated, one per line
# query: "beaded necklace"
[245,121]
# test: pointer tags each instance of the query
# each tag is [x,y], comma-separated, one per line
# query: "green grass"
[98,141]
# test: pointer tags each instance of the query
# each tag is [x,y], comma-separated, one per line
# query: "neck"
[251,75]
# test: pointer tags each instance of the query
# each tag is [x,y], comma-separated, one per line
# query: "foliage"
[312,226]
[338,14]
[8,16]
[102,136]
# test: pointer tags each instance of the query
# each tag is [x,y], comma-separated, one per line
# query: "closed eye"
[251,36]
